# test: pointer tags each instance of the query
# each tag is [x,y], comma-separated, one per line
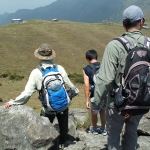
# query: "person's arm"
[86,89]
[30,88]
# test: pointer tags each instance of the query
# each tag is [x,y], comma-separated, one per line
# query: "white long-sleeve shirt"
[35,82]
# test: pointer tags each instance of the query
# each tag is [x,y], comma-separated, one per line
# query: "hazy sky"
[12,6]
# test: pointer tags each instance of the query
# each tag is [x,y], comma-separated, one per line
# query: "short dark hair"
[91,54]
[129,24]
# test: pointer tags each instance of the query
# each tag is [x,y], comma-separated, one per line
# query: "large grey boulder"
[145,124]
[144,133]
[80,115]
[23,129]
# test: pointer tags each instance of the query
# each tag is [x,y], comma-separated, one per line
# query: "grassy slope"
[70,40]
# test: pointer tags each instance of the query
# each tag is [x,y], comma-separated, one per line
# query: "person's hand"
[146,115]
[87,105]
[7,105]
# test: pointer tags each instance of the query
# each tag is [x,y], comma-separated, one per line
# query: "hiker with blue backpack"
[125,77]
[89,73]
[55,90]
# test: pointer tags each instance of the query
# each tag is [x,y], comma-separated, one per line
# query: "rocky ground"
[23,129]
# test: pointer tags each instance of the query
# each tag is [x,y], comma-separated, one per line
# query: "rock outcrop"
[23,129]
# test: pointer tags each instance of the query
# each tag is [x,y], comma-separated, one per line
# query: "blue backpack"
[53,94]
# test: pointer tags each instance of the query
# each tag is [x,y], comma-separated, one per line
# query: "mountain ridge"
[78,11]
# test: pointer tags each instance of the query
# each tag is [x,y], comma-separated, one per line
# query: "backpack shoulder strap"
[92,66]
[41,68]
[55,66]
[125,42]
[93,69]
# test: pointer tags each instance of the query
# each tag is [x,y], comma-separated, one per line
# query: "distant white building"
[55,19]
[105,21]
[17,20]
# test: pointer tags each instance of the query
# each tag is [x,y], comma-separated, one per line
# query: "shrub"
[16,77]
[1,99]
[4,75]
[13,77]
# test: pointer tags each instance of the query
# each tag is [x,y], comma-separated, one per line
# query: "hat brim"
[37,55]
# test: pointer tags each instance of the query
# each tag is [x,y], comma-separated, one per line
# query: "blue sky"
[12,6]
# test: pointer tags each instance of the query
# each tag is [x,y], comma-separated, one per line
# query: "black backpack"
[95,71]
[133,96]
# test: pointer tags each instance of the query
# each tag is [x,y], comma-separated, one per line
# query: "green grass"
[70,40]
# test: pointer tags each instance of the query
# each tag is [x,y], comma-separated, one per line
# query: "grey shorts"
[102,105]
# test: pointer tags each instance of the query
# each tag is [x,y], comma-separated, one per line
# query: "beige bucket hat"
[45,52]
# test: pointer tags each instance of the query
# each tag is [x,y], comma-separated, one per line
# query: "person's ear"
[141,23]
[124,26]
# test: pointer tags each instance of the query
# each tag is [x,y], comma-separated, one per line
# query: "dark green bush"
[13,76]
[16,77]
[1,99]
[4,75]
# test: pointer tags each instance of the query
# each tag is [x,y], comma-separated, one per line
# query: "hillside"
[70,40]
[90,11]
